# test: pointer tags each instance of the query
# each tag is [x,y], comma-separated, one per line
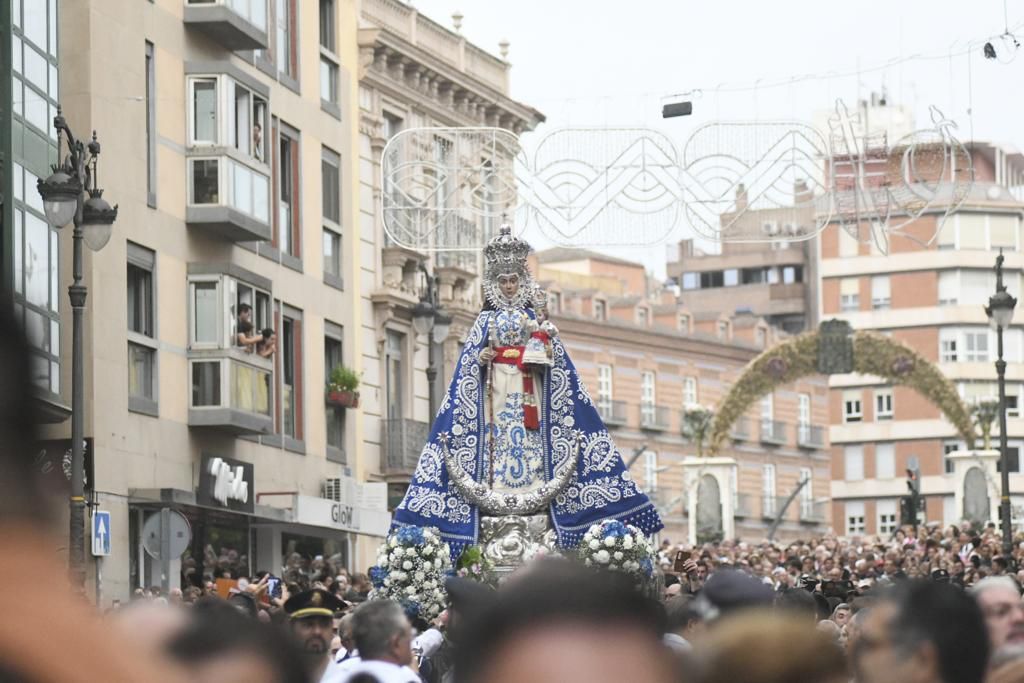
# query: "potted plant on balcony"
[342,388]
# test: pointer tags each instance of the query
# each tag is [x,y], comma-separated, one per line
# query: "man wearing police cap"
[311,616]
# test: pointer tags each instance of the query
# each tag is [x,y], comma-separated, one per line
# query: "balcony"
[771,505]
[402,440]
[229,197]
[231,390]
[812,512]
[773,432]
[653,417]
[810,436]
[234,24]
[612,412]
[740,430]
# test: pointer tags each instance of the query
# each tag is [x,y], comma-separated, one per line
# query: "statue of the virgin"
[517,436]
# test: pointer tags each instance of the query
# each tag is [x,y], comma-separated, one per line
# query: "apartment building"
[645,357]
[230,146]
[931,298]
[417,74]
[775,280]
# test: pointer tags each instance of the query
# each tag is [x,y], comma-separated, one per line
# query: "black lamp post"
[1000,314]
[429,319]
[64,201]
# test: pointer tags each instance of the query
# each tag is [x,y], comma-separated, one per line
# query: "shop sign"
[322,512]
[226,483]
[53,462]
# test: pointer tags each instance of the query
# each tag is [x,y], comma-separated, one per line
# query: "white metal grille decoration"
[879,189]
[755,182]
[446,189]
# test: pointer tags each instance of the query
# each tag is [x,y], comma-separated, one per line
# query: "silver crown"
[506,254]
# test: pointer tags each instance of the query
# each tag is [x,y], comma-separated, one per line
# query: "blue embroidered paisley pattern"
[518,452]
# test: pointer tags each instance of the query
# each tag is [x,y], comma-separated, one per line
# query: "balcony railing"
[812,512]
[612,412]
[773,431]
[232,390]
[770,506]
[229,197]
[740,430]
[744,505]
[810,436]
[234,24]
[653,417]
[402,440]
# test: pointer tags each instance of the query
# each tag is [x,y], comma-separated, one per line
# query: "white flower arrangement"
[618,547]
[411,568]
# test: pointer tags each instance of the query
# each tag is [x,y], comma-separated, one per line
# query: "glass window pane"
[140,371]
[53,27]
[205,111]
[205,182]
[37,261]
[17,96]
[51,89]
[16,12]
[36,111]
[261,197]
[19,251]
[16,54]
[206,312]
[242,195]
[35,68]
[40,370]
[54,377]
[32,196]
[206,384]
[54,271]
[35,329]
[34,27]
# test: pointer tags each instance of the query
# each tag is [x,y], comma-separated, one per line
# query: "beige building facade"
[645,359]
[931,298]
[230,146]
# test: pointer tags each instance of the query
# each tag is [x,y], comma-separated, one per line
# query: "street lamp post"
[1000,314]
[64,201]
[429,319]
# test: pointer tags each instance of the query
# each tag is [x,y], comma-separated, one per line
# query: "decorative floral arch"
[873,354]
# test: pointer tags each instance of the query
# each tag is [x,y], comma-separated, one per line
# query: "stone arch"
[834,349]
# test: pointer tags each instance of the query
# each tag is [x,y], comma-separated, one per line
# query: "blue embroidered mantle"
[601,488]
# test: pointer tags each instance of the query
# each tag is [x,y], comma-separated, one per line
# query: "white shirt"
[385,672]
[428,642]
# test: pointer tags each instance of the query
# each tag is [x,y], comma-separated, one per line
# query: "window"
[330,185]
[1003,231]
[288,224]
[948,345]
[855,518]
[948,448]
[650,470]
[768,490]
[241,126]
[689,391]
[853,462]
[949,287]
[731,277]
[142,345]
[150,127]
[976,346]
[600,310]
[1012,456]
[285,49]
[647,397]
[205,323]
[971,231]
[394,369]
[392,125]
[684,323]
[328,49]
[691,280]
[604,387]
[767,408]
[883,405]
[641,316]
[849,294]
[848,244]
[290,366]
[885,461]
[332,257]
[887,520]
[852,411]
[335,417]
[806,492]
[792,274]
[711,278]
[723,329]
[880,295]
[803,419]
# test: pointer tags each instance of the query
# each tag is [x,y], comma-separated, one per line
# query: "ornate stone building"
[415,73]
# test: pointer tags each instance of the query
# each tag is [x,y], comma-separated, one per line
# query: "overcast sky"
[605,63]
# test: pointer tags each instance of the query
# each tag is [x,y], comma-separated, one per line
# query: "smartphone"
[274,587]
[681,557]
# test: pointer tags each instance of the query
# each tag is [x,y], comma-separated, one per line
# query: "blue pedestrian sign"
[100,533]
